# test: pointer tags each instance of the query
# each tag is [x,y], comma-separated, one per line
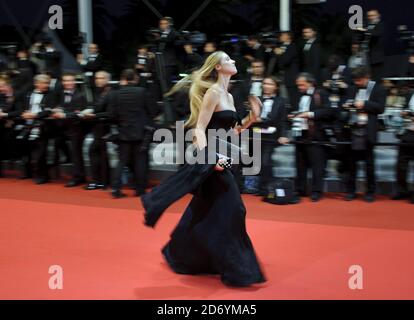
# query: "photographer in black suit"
[405,153]
[48,57]
[311,53]
[71,103]
[256,49]
[374,43]
[167,47]
[130,110]
[99,118]
[91,64]
[271,124]
[285,61]
[36,132]
[376,35]
[366,101]
[313,110]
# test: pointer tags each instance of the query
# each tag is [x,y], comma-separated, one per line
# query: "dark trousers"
[313,157]
[35,157]
[293,95]
[99,156]
[76,133]
[170,75]
[368,157]
[405,155]
[7,145]
[61,144]
[266,171]
[131,152]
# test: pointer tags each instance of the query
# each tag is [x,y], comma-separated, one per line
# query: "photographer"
[91,64]
[166,40]
[68,116]
[285,62]
[49,60]
[405,154]
[312,111]
[358,57]
[336,80]
[99,116]
[271,124]
[256,49]
[191,60]
[130,109]
[144,65]
[374,41]
[311,53]
[35,132]
[366,102]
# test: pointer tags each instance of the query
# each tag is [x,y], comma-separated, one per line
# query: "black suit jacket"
[78,103]
[12,108]
[323,113]
[376,44]
[289,64]
[167,47]
[93,66]
[286,64]
[101,103]
[312,60]
[47,104]
[53,62]
[130,109]
[373,107]
[276,118]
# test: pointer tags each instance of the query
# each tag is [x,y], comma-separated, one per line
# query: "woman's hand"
[219,168]
[223,163]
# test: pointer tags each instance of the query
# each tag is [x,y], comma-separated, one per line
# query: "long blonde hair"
[200,80]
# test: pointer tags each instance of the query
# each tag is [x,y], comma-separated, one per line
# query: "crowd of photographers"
[328,108]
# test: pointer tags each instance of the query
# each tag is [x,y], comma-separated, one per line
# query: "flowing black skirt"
[211,236]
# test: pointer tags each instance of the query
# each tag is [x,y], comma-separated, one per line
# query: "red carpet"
[107,253]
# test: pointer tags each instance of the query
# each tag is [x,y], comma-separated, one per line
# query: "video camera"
[196,38]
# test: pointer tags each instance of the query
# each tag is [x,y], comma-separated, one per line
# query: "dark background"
[119,26]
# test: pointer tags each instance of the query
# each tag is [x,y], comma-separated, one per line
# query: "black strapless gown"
[211,236]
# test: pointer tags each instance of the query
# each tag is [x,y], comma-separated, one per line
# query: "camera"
[407,37]
[8,56]
[270,39]
[196,38]
[298,125]
[352,116]
[232,39]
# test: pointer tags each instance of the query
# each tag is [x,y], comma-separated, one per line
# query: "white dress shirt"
[35,101]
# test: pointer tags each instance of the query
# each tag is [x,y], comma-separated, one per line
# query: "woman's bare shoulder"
[214,89]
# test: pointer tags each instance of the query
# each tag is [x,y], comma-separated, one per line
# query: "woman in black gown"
[211,236]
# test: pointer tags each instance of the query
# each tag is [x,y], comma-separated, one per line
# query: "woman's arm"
[210,101]
[253,116]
